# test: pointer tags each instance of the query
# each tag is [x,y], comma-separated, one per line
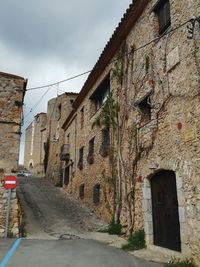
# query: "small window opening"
[90,158]
[58,112]
[66,177]
[68,138]
[105,143]
[100,95]
[82,191]
[18,103]
[162,10]
[145,110]
[82,117]
[31,165]
[96,194]
[80,162]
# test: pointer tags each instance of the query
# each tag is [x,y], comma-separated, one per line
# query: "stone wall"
[34,147]
[14,219]
[159,93]
[12,90]
[98,172]
[58,109]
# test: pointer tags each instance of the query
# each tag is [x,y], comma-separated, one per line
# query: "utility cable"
[89,71]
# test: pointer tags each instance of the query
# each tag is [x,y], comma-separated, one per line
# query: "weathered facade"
[35,140]
[151,67]
[12,90]
[58,109]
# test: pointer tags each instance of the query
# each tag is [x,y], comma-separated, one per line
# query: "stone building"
[35,139]
[143,93]
[12,91]
[58,109]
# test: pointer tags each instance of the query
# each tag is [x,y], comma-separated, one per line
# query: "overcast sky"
[48,41]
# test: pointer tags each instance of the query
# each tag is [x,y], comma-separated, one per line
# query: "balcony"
[64,152]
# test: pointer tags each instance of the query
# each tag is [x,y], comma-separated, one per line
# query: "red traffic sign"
[10,182]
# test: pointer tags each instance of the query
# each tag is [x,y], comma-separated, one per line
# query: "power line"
[89,71]
[31,110]
[62,81]
[81,74]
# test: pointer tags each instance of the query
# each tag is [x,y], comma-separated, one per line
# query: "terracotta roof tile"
[128,20]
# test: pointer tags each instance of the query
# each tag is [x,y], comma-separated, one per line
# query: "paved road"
[71,253]
[59,233]
[54,212]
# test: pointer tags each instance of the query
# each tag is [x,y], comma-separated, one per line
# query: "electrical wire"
[89,71]
[51,84]
[33,108]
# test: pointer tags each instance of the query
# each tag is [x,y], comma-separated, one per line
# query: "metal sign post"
[7,214]
[9,183]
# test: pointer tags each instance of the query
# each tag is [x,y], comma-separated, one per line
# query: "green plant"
[180,263]
[114,228]
[136,241]
[110,112]
[117,71]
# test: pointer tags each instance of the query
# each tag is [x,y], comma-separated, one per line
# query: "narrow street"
[51,211]
[59,232]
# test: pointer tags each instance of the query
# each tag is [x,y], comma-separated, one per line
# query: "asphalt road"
[59,233]
[53,211]
[71,253]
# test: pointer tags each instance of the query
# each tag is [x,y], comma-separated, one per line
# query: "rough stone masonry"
[12,91]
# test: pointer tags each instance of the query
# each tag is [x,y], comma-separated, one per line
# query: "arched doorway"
[166,226]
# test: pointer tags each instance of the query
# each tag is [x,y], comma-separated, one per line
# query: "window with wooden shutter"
[162,10]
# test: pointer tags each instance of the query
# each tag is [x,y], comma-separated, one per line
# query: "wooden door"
[166,224]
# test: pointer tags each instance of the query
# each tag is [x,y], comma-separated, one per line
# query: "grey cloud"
[62,28]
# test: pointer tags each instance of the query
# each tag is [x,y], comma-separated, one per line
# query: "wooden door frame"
[148,218]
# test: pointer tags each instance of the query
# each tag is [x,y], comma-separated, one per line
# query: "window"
[68,138]
[82,191]
[145,110]
[18,103]
[101,93]
[96,194]
[58,112]
[66,177]
[90,158]
[80,162]
[82,117]
[105,143]
[162,10]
